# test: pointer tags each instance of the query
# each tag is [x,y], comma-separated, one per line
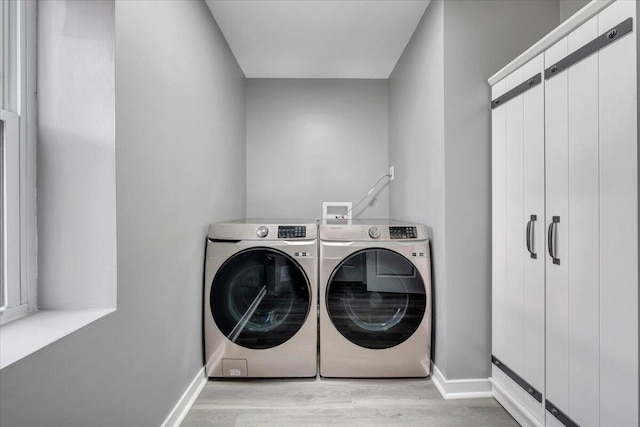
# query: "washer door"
[260,298]
[376,298]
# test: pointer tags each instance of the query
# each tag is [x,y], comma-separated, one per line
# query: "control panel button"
[374,232]
[262,231]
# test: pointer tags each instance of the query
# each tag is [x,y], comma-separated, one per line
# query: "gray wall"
[569,7]
[472,51]
[76,155]
[416,149]
[314,141]
[180,131]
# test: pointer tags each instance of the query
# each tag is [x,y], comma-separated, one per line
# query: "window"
[17,160]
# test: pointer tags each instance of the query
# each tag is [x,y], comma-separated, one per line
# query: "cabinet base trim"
[460,389]
[513,407]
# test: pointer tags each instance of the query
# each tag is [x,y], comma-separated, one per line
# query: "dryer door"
[376,298]
[260,298]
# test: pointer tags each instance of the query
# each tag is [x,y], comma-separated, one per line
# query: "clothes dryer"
[260,299]
[375,299]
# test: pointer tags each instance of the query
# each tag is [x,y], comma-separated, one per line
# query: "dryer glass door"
[376,298]
[260,298]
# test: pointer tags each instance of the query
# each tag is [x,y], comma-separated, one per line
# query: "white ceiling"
[317,38]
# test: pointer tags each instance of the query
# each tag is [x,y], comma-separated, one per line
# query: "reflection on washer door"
[373,318]
[374,311]
[260,298]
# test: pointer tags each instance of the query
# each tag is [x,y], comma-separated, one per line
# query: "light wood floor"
[322,402]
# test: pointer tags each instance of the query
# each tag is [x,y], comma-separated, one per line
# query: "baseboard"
[513,407]
[460,389]
[186,401]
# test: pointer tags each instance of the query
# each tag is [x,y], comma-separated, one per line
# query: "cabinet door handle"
[530,230]
[551,239]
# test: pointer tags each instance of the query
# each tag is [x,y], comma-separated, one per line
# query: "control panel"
[292,231]
[405,232]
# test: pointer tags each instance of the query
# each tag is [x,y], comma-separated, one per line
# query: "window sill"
[25,336]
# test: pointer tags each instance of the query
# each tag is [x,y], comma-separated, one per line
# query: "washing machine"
[375,299]
[260,299]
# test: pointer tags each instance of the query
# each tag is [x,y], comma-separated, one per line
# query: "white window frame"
[18,293]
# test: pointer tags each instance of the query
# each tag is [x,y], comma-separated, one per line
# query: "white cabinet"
[566,323]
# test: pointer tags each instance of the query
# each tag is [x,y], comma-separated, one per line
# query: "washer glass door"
[376,298]
[260,298]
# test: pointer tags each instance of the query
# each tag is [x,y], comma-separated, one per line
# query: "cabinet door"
[507,128]
[618,222]
[582,246]
[518,278]
[533,223]
[515,242]
[592,208]
[557,296]
[573,218]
